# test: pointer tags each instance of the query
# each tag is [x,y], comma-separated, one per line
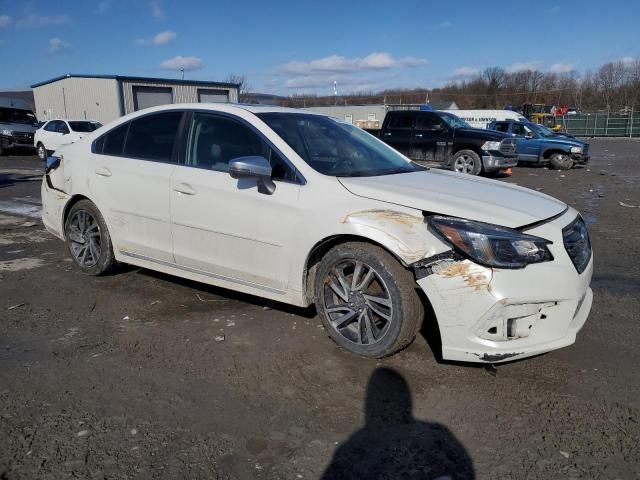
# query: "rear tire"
[42,152]
[375,314]
[466,161]
[561,161]
[88,239]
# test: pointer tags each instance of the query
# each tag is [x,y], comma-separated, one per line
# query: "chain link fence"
[602,124]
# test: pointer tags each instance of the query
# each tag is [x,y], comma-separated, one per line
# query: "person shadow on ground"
[393,444]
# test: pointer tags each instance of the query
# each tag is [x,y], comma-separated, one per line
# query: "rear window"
[113,141]
[152,137]
[84,127]
[501,127]
[401,122]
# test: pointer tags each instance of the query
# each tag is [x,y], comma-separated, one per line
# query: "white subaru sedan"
[303,209]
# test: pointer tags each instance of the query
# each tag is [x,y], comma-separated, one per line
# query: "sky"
[299,47]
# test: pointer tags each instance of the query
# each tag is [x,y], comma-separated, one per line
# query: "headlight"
[576,149]
[7,133]
[491,146]
[491,245]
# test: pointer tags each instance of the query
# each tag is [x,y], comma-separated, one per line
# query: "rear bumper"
[495,163]
[53,206]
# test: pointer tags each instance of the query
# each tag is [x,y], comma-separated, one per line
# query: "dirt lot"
[127,376]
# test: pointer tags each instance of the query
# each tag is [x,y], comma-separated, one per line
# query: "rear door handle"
[387,134]
[184,188]
[103,172]
[419,135]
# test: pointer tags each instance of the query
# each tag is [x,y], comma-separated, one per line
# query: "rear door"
[399,130]
[130,181]
[431,139]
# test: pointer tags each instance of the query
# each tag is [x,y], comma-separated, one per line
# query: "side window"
[401,122]
[62,128]
[430,122]
[152,137]
[502,127]
[114,140]
[517,129]
[51,126]
[215,140]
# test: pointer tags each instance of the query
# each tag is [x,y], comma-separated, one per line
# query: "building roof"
[175,81]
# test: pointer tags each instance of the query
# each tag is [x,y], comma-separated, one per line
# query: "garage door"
[145,97]
[215,96]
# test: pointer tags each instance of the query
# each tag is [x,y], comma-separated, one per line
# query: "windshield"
[15,115]
[541,130]
[335,148]
[84,126]
[453,121]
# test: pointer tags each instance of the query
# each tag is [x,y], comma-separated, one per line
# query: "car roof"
[229,107]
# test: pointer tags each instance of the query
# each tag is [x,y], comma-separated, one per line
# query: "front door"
[431,139]
[225,227]
[528,145]
[398,131]
[52,134]
[129,178]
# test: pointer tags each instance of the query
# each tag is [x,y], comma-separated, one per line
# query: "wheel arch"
[318,251]
[67,208]
[550,151]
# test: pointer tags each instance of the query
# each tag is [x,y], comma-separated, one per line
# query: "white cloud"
[34,20]
[562,67]
[339,64]
[5,21]
[57,45]
[521,66]
[156,10]
[627,60]
[180,63]
[464,72]
[103,6]
[446,24]
[161,38]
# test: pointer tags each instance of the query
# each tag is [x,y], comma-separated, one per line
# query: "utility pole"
[182,70]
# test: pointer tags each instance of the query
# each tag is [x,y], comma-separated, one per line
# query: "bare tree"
[244,89]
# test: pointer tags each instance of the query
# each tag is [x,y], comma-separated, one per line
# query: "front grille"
[22,137]
[577,243]
[508,146]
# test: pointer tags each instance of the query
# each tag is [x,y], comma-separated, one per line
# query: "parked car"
[537,144]
[17,125]
[443,138]
[303,209]
[55,133]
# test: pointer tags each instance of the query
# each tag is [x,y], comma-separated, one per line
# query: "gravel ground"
[143,375]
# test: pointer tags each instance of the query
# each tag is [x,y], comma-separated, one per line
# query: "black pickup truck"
[440,137]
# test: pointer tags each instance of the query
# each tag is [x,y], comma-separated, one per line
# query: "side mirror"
[528,135]
[253,167]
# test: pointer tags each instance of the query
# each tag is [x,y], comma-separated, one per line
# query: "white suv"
[56,133]
[303,209]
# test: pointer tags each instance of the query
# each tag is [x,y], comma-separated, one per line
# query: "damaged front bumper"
[495,315]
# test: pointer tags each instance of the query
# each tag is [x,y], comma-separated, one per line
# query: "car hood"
[17,127]
[481,134]
[458,195]
[565,141]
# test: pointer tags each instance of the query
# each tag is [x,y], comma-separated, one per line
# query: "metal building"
[107,97]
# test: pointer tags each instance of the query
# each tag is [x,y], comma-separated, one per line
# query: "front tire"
[561,161]
[466,161]
[41,152]
[367,301]
[88,239]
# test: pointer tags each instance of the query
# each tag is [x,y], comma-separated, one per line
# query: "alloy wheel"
[85,238]
[357,302]
[464,164]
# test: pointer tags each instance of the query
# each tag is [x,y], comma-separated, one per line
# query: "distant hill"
[26,95]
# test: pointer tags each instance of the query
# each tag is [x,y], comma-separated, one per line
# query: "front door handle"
[387,134]
[184,188]
[419,135]
[103,172]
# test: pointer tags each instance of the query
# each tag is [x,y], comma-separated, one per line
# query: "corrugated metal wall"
[78,98]
[182,93]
